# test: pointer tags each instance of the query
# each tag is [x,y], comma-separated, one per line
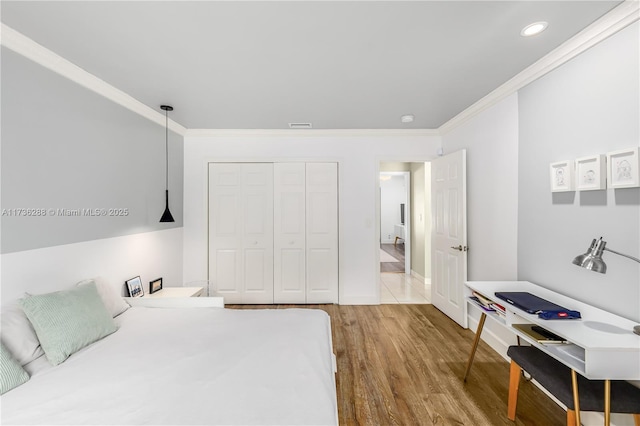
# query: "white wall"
[150,255]
[419,219]
[358,158]
[393,192]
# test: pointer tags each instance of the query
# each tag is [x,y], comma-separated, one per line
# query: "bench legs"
[576,398]
[573,416]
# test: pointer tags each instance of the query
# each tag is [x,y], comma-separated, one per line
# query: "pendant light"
[166,216]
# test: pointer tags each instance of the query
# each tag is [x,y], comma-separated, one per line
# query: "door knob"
[460,248]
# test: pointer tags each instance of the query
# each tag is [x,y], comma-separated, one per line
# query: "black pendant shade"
[166,216]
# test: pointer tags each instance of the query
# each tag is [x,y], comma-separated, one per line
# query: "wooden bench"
[570,388]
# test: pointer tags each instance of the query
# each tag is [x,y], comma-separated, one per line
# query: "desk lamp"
[592,260]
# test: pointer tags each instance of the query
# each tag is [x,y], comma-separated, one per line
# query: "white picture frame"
[562,176]
[623,167]
[591,173]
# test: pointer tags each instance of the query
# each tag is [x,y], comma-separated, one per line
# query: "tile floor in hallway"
[402,288]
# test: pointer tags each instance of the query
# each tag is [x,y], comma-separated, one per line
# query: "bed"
[190,366]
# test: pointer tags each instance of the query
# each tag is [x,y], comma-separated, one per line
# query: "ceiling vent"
[300,125]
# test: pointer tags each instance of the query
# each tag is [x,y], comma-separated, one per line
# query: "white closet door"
[225,231]
[289,233]
[322,232]
[241,231]
[258,232]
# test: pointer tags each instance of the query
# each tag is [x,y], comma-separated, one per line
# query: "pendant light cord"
[166,139]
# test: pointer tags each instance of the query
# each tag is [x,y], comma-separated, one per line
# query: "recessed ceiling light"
[533,29]
[300,125]
[407,118]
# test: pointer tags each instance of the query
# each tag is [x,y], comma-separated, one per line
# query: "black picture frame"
[134,286]
[155,285]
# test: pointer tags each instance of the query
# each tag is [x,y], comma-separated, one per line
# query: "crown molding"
[19,43]
[617,19]
[306,133]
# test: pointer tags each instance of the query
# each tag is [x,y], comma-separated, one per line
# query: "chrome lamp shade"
[592,258]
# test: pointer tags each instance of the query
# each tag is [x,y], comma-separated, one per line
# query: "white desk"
[601,345]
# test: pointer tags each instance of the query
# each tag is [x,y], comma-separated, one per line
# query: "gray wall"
[588,106]
[491,141]
[65,147]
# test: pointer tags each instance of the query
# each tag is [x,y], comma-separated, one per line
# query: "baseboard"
[418,276]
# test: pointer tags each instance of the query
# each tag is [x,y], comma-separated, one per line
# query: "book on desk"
[540,334]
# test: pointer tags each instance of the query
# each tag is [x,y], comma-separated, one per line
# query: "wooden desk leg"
[475,345]
[576,398]
[607,402]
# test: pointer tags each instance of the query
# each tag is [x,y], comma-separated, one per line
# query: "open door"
[449,235]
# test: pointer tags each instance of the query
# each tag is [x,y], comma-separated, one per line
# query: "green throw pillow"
[67,321]
[12,374]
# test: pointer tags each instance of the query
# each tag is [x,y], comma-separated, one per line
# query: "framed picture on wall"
[134,285]
[562,176]
[622,168]
[591,173]
[155,285]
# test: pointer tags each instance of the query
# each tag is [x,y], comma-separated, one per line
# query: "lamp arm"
[622,254]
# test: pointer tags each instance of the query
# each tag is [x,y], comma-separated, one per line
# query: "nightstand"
[177,292]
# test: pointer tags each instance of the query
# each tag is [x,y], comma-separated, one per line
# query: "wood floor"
[397,251]
[403,365]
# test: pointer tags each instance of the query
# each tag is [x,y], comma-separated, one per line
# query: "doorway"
[395,224]
[404,213]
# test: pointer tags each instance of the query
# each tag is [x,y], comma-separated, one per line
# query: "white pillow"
[112,301]
[18,334]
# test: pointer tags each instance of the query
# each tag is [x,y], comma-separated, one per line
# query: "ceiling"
[335,64]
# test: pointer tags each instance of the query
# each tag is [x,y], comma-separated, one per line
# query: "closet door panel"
[289,233]
[225,239]
[322,232]
[257,227]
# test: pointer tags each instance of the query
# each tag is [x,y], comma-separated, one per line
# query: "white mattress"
[195,366]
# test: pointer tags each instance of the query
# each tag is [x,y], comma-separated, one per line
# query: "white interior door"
[322,232]
[289,233]
[241,231]
[449,235]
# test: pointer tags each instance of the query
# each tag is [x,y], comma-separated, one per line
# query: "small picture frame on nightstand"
[134,285]
[155,285]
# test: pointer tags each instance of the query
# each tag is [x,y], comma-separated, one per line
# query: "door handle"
[460,248]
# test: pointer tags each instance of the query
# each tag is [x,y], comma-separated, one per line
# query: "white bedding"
[190,366]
